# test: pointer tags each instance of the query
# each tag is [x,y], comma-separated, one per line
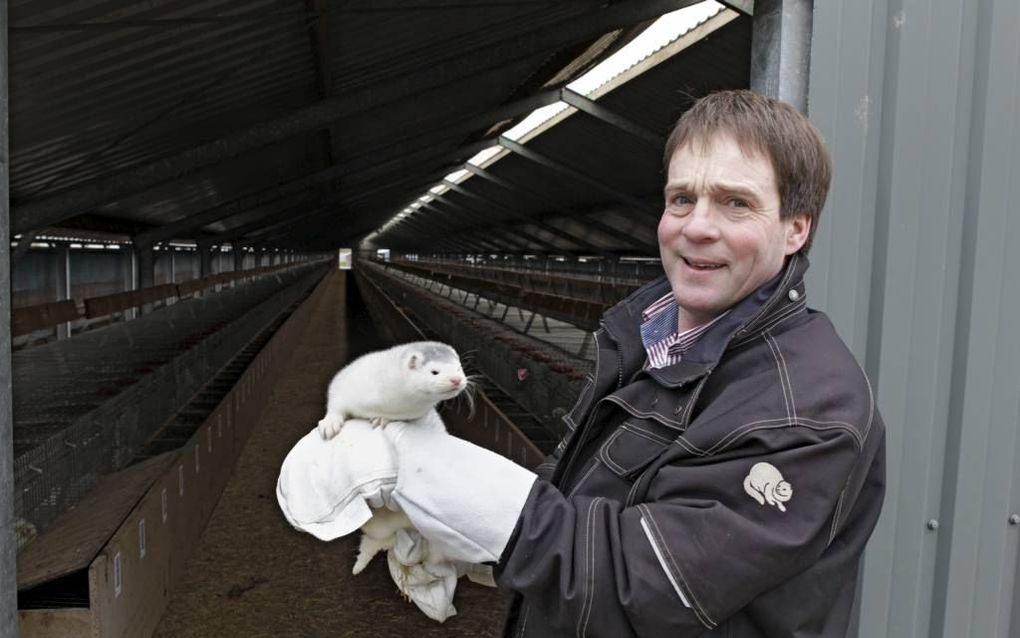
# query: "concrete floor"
[254,575]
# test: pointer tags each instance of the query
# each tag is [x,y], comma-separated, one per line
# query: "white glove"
[326,487]
[463,498]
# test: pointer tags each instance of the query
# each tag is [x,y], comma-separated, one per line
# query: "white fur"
[379,534]
[398,384]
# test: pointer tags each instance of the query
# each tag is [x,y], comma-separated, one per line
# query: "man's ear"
[798,228]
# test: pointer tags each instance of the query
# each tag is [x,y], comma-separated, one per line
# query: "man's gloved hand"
[463,498]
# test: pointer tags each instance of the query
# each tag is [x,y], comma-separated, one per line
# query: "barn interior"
[213,206]
[185,180]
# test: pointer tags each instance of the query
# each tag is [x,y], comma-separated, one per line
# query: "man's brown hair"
[760,124]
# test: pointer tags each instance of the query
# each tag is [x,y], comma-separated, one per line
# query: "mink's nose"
[456,380]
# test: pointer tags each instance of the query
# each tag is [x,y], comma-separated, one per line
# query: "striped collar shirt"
[664,344]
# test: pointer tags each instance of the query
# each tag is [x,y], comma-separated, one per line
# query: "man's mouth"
[698,264]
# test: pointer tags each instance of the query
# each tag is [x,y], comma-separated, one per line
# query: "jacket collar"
[748,318]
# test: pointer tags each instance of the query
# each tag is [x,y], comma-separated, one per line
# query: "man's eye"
[736,202]
[681,200]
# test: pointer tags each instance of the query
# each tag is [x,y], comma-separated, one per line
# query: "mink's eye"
[435,371]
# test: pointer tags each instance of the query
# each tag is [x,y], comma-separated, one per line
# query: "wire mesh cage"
[85,405]
[542,379]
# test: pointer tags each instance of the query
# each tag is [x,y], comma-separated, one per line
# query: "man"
[725,465]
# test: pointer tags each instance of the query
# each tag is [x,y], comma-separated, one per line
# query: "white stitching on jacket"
[835,517]
[655,416]
[690,447]
[583,478]
[786,373]
[569,416]
[662,562]
[686,416]
[604,452]
[589,564]
[648,434]
[782,380]
[813,424]
[781,316]
[871,399]
[695,606]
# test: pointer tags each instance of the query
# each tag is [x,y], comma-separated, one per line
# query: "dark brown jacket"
[728,495]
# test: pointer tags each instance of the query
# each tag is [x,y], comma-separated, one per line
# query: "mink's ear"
[413,361]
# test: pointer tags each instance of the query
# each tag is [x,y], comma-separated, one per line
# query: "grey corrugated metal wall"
[918,262]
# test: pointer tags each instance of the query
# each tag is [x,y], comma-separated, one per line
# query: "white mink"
[402,383]
[398,384]
[378,534]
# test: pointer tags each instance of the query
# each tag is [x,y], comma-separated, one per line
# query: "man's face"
[720,236]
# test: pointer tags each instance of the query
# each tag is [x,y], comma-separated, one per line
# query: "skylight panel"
[621,66]
[457,176]
[666,29]
[482,158]
[534,120]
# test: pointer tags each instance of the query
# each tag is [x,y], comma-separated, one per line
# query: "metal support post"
[531,319]
[8,544]
[204,260]
[238,258]
[146,265]
[130,266]
[62,257]
[781,50]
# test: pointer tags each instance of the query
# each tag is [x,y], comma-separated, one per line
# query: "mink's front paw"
[330,426]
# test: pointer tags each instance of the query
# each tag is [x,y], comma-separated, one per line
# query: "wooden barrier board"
[42,316]
[134,537]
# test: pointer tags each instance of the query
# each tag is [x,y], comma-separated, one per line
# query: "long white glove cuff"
[465,499]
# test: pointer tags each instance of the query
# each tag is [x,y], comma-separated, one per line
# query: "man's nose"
[701,224]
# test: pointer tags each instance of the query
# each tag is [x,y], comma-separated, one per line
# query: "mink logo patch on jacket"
[765,484]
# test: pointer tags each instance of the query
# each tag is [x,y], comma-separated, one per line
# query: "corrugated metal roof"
[98,87]
[609,155]
[114,106]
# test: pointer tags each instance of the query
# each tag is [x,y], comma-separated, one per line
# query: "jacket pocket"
[632,448]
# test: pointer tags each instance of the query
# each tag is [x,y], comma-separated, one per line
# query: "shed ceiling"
[308,124]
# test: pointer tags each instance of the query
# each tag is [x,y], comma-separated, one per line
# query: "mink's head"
[433,369]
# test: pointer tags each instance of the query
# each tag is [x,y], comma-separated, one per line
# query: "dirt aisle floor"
[254,575]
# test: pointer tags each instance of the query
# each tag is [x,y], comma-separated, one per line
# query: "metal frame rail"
[39,317]
[623,270]
[524,368]
[486,424]
[576,300]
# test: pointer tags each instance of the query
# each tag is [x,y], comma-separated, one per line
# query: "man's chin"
[697,308]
